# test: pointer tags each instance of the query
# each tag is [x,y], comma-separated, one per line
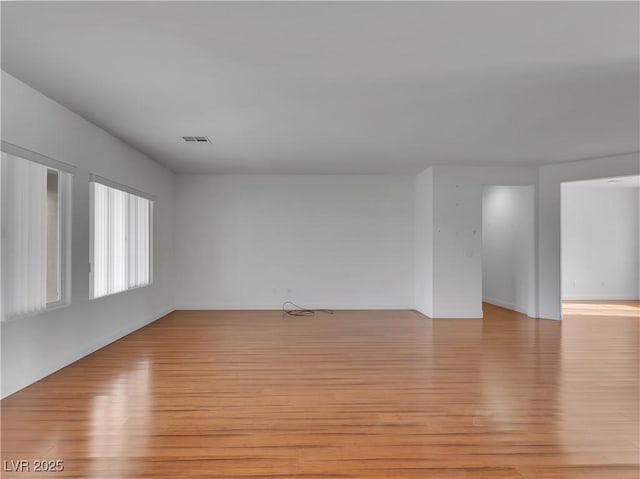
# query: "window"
[121,238]
[53,236]
[35,220]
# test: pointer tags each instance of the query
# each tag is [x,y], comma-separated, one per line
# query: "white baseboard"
[85,351]
[272,307]
[227,307]
[424,312]
[504,304]
[458,315]
[600,297]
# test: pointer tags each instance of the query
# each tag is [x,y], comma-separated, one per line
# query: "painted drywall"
[599,242]
[457,220]
[37,346]
[548,199]
[456,223]
[508,247]
[251,241]
[457,216]
[423,257]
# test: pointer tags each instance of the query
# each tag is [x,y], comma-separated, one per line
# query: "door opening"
[508,247]
[599,246]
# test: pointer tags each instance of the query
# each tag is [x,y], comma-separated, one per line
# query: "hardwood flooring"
[357,394]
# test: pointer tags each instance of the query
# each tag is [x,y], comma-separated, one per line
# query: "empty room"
[320,240]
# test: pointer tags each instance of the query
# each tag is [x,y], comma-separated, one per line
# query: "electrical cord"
[292,309]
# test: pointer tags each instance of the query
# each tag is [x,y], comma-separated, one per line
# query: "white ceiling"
[614,182]
[331,87]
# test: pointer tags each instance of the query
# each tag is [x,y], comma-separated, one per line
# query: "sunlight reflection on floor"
[602,308]
[120,421]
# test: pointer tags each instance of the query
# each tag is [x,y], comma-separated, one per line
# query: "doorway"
[600,246]
[508,247]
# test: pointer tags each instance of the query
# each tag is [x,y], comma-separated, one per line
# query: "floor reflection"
[600,373]
[601,309]
[119,425]
[519,364]
[363,394]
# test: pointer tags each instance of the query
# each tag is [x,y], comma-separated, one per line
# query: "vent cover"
[196,139]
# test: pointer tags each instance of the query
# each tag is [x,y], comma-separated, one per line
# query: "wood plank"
[356,394]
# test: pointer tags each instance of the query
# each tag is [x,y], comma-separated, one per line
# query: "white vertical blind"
[121,240]
[139,209]
[24,236]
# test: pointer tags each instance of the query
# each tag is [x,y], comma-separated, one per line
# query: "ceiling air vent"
[196,139]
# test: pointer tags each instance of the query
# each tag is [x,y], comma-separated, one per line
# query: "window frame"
[94,178]
[64,239]
[65,191]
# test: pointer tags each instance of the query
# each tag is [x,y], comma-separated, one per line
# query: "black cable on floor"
[292,309]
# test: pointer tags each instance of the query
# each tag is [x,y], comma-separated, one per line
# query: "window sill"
[121,292]
[50,307]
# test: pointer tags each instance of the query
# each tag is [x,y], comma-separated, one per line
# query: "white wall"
[508,247]
[457,247]
[35,347]
[251,241]
[423,257]
[599,242]
[456,223]
[457,220]
[550,178]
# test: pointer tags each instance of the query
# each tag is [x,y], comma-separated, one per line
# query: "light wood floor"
[360,394]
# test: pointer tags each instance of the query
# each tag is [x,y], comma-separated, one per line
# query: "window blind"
[24,236]
[121,240]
